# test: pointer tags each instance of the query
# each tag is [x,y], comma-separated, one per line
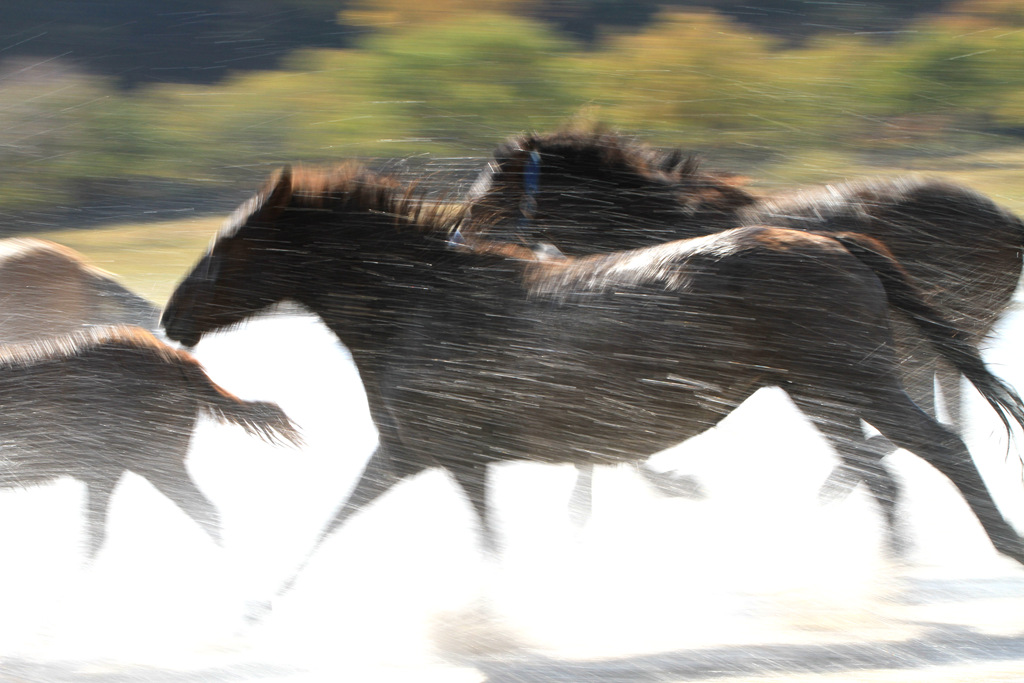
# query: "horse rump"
[944,336]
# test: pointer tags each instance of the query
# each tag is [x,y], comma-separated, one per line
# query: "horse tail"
[258,418]
[951,343]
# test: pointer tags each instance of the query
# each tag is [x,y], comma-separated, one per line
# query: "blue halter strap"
[528,204]
[531,176]
[457,239]
[531,185]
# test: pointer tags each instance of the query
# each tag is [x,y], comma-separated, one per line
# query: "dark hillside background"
[201,41]
[186,41]
[129,110]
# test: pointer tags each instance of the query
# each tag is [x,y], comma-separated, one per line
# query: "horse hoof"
[880,446]
[257,610]
[840,483]
[679,486]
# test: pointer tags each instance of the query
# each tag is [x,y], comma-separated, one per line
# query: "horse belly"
[608,424]
[567,407]
[60,419]
[24,464]
[36,444]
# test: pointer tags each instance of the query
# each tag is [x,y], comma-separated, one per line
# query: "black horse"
[591,191]
[483,354]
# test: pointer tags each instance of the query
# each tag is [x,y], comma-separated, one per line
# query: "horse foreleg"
[666,483]
[472,477]
[672,485]
[98,491]
[581,502]
[378,476]
[381,473]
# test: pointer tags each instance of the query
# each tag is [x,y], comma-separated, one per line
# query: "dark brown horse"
[590,192]
[101,402]
[48,289]
[482,354]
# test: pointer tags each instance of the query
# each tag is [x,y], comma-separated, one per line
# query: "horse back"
[701,267]
[744,298]
[960,246]
[47,289]
[43,290]
[677,333]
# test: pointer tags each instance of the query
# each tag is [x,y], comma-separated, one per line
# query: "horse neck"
[583,201]
[395,273]
[400,251]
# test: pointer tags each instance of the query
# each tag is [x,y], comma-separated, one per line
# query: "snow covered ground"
[757,581]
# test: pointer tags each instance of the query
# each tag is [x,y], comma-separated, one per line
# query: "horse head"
[232,280]
[595,191]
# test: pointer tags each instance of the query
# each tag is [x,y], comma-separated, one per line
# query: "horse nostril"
[168,320]
[179,330]
[189,340]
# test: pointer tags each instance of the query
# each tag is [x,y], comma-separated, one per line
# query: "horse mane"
[73,344]
[603,148]
[22,247]
[353,186]
[17,246]
[621,156]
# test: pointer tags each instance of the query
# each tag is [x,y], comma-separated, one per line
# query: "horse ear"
[281,193]
[684,165]
[734,179]
[509,150]
[670,163]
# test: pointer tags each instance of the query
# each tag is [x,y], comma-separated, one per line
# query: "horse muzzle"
[189,341]
[179,328]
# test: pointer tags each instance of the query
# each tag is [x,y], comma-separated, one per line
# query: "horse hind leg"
[909,427]
[861,460]
[175,483]
[99,488]
[950,385]
[918,371]
[162,464]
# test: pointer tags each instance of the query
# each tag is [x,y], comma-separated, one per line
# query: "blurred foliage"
[455,78]
[463,83]
[385,14]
